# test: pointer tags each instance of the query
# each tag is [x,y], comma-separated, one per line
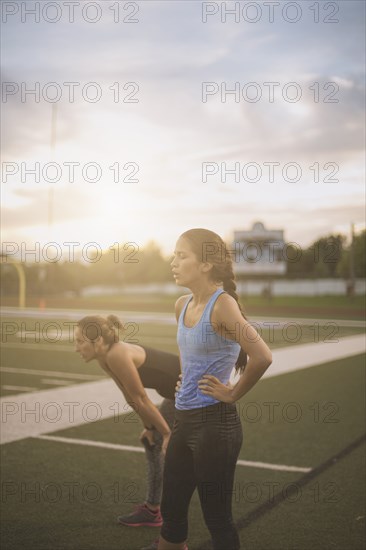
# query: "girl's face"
[84,346]
[186,268]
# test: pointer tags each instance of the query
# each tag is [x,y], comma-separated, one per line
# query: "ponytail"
[96,326]
[230,287]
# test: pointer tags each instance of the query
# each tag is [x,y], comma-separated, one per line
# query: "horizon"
[74,251]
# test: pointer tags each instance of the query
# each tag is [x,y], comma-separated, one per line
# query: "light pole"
[52,149]
[48,274]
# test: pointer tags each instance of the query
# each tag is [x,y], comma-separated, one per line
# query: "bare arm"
[179,305]
[124,373]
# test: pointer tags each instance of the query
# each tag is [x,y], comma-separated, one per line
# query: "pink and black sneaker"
[142,516]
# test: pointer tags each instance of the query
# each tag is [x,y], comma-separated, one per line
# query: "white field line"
[161,317]
[60,408]
[37,346]
[76,315]
[91,443]
[53,336]
[46,411]
[55,382]
[267,466]
[130,448]
[303,356]
[17,388]
[73,375]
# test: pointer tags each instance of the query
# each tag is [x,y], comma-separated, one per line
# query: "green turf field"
[64,496]
[324,306]
[39,343]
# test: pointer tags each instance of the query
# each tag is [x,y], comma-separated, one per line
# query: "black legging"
[202,453]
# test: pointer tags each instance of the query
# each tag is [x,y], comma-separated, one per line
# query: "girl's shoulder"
[180,303]
[125,353]
[225,305]
[120,350]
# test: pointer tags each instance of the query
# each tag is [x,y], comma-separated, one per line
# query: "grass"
[67,497]
[329,513]
[340,307]
[45,350]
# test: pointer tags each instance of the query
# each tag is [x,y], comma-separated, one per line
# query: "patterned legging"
[154,457]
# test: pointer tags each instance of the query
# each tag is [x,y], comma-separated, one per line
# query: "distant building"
[259,251]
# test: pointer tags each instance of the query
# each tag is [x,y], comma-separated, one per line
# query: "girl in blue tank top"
[213,338]
[203,352]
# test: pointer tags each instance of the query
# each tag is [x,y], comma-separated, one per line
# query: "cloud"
[170,132]
[69,203]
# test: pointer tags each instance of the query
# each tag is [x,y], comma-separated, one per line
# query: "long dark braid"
[208,246]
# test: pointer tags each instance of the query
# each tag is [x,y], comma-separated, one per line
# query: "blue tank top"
[202,351]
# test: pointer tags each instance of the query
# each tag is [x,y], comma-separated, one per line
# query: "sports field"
[299,481]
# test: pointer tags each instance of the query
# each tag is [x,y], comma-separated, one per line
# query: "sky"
[152,101]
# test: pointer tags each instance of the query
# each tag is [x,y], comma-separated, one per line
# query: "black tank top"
[160,371]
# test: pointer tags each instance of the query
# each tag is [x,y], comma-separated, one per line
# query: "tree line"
[327,257]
